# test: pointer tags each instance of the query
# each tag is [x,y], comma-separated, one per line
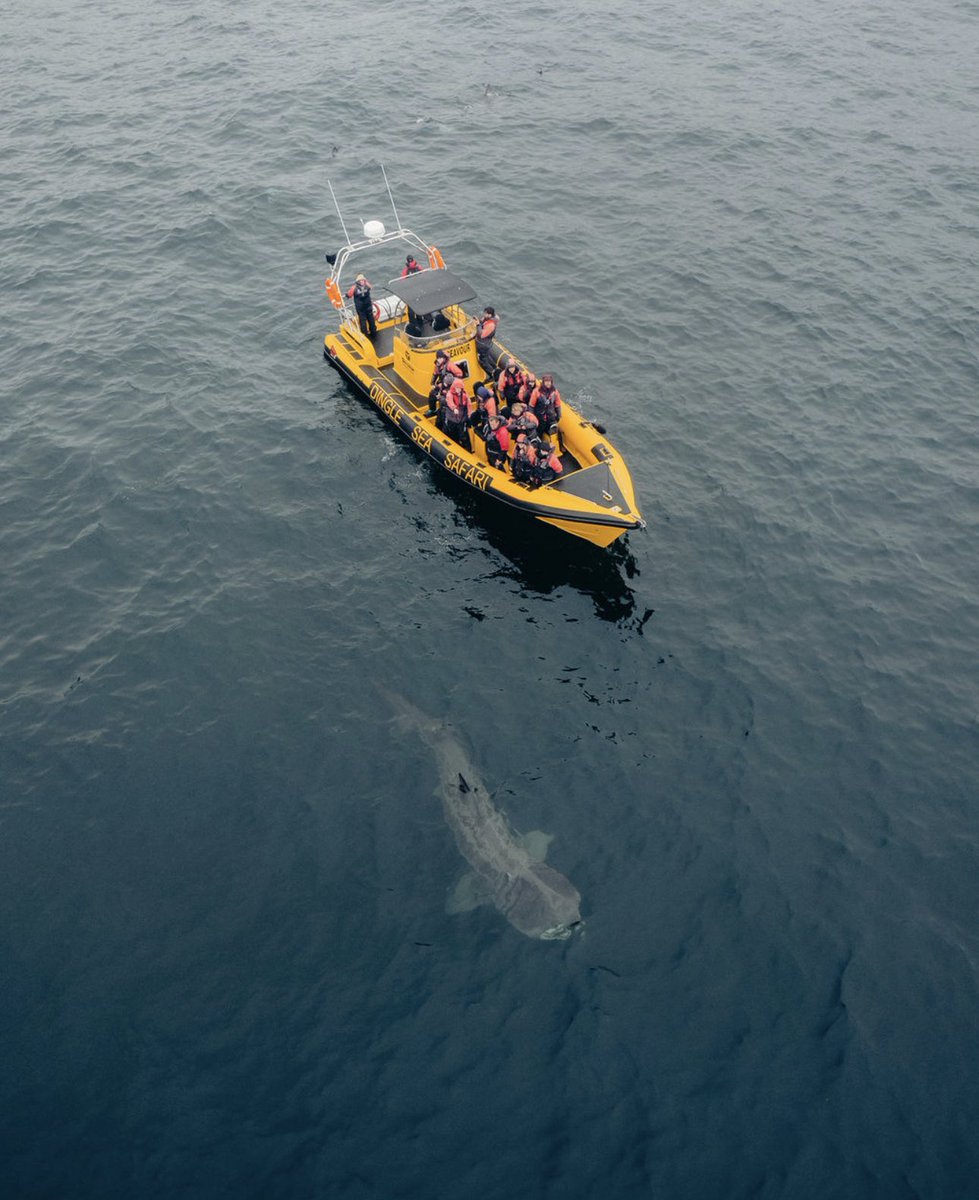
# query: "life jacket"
[509,384]
[445,371]
[486,406]
[486,328]
[527,391]
[526,422]
[546,403]
[361,293]
[524,458]
[406,270]
[457,404]
[498,440]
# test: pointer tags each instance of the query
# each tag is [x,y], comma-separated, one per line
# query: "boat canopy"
[426,291]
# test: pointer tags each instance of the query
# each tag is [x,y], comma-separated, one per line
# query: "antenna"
[339,213]
[390,197]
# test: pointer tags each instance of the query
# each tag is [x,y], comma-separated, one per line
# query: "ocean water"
[744,236]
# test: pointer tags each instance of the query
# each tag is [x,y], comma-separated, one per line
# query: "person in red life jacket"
[528,389]
[546,403]
[497,443]
[360,289]
[455,412]
[548,465]
[485,408]
[415,320]
[485,332]
[522,420]
[524,459]
[442,376]
[508,384]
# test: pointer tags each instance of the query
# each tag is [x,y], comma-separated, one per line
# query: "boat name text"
[468,471]
[386,403]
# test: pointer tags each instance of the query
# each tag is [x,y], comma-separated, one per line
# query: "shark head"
[560,933]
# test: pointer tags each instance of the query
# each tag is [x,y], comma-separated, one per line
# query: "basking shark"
[507,869]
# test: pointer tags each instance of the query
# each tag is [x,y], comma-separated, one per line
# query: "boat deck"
[384,347]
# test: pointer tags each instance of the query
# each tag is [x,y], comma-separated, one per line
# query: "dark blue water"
[744,237]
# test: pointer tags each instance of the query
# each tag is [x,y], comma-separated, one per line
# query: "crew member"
[416,321]
[360,289]
[485,332]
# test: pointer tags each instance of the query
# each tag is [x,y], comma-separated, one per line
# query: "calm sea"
[744,236]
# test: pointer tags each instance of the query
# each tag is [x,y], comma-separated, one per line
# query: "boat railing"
[386,308]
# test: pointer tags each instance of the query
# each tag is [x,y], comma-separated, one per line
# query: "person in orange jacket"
[455,412]
[524,459]
[548,465]
[442,376]
[497,443]
[485,409]
[485,332]
[509,382]
[522,420]
[546,403]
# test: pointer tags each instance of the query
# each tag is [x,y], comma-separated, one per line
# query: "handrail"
[445,339]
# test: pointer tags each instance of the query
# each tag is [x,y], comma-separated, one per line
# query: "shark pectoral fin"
[469,893]
[536,843]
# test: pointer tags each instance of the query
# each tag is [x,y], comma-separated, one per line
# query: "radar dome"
[373,229]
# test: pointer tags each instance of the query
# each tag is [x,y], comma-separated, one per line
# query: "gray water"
[743,236]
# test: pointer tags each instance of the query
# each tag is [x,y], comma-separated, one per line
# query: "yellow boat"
[593,498]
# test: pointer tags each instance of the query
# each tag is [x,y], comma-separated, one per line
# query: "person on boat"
[360,289]
[548,465]
[455,412]
[528,389]
[509,382]
[546,402]
[484,410]
[497,443]
[444,373]
[485,332]
[524,459]
[522,420]
[415,320]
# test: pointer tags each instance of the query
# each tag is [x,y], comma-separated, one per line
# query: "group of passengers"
[516,416]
